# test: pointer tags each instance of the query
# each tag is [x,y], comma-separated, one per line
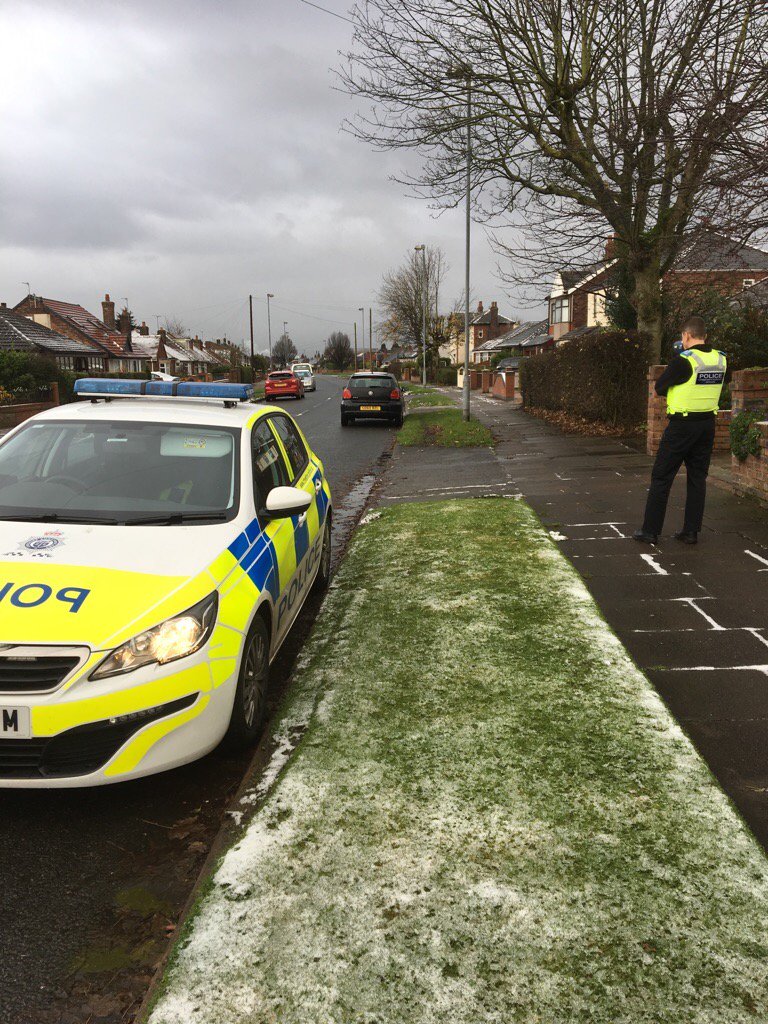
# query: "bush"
[602,378]
[24,375]
[746,438]
[446,375]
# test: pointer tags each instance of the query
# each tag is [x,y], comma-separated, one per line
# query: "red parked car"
[283,384]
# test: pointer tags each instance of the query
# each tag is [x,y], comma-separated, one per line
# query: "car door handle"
[302,519]
[318,486]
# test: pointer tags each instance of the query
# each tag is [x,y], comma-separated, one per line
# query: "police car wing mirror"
[283,502]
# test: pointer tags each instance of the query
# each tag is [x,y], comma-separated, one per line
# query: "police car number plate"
[370,408]
[14,724]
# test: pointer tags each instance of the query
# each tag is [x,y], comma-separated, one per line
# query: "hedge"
[602,377]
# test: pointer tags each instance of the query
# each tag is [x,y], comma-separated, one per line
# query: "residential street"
[93,880]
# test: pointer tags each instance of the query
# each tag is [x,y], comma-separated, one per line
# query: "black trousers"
[686,441]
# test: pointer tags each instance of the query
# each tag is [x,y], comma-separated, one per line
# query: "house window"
[748,282]
[480,332]
[560,310]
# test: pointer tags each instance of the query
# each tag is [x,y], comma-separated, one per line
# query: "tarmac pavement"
[695,619]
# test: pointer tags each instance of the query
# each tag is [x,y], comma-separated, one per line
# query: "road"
[93,880]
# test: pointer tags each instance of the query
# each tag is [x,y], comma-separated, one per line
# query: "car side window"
[292,443]
[269,468]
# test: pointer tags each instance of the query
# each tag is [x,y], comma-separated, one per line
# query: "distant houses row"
[82,342]
[577,302]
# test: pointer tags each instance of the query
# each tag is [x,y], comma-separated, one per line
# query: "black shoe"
[687,537]
[645,538]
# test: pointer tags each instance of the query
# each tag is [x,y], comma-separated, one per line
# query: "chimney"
[3,305]
[161,333]
[493,330]
[108,312]
[480,307]
[610,248]
[143,330]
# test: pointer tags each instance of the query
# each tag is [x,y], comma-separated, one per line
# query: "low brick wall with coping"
[12,415]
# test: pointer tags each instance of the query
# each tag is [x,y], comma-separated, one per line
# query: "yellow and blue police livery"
[157,542]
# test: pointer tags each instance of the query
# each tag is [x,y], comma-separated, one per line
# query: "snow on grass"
[493,819]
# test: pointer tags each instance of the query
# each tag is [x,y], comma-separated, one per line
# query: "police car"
[156,544]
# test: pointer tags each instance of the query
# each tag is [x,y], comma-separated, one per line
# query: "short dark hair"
[696,327]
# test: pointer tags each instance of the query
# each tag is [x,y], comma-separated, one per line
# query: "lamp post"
[361,309]
[464,73]
[425,285]
[269,328]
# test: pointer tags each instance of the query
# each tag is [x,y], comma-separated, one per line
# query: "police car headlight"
[170,640]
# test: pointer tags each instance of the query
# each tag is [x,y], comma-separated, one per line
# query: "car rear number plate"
[14,724]
[370,408]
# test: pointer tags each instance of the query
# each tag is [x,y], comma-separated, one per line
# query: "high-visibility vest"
[701,392]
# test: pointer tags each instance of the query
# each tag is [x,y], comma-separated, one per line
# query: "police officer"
[692,383]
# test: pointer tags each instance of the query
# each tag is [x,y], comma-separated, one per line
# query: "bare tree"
[401,295]
[338,352]
[283,351]
[640,118]
[175,326]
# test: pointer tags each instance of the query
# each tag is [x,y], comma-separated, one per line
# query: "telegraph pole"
[355,370]
[250,311]
[269,328]
[423,250]
[370,332]
[361,309]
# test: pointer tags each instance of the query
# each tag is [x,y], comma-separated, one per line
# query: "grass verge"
[421,398]
[491,817]
[445,428]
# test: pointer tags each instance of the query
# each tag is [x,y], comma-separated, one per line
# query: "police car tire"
[323,577]
[345,420]
[241,731]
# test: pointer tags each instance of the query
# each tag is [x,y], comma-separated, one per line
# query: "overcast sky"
[184,154]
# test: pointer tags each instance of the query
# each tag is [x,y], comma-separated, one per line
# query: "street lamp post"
[361,309]
[269,328]
[464,73]
[425,285]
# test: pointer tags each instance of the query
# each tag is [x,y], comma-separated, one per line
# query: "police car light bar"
[106,387]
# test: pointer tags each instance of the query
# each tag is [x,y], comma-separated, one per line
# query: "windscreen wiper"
[57,517]
[176,518]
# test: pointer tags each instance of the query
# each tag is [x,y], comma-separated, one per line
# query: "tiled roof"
[578,332]
[146,345]
[19,333]
[571,276]
[756,295]
[525,335]
[712,251]
[90,325]
[483,319]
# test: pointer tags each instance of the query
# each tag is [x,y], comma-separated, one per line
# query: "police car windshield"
[118,472]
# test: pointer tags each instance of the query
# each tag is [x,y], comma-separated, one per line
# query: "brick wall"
[751,475]
[503,386]
[485,381]
[749,389]
[13,415]
[657,413]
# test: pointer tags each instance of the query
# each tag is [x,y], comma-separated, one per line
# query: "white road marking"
[654,565]
[720,668]
[622,535]
[758,558]
[691,601]
[614,522]
[756,634]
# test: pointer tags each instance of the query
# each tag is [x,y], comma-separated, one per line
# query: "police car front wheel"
[247,719]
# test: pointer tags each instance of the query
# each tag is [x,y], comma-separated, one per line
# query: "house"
[526,339]
[179,357]
[19,333]
[77,323]
[711,261]
[578,295]
[226,352]
[755,295]
[708,260]
[485,326]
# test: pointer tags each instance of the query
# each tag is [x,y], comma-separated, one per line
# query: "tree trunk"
[646,299]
